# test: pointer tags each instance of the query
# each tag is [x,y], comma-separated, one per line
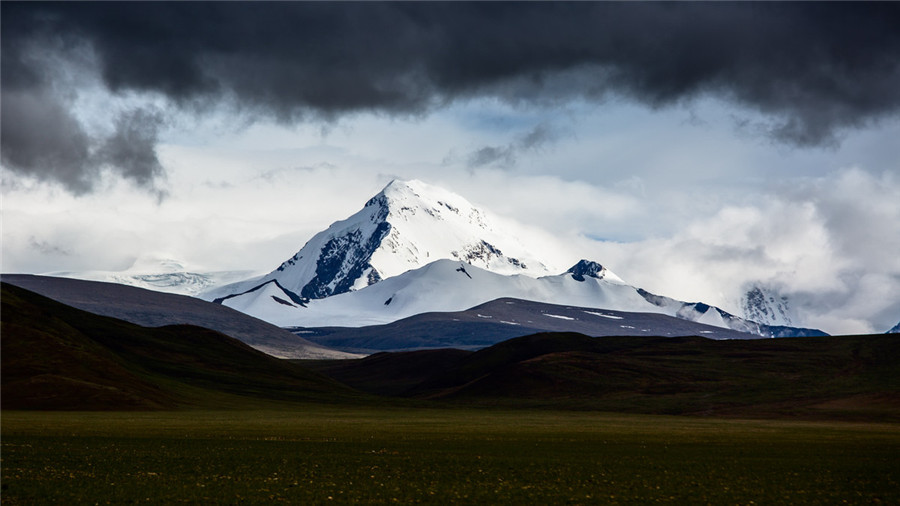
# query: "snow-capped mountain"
[765,305]
[894,330]
[161,274]
[451,285]
[408,225]
[416,248]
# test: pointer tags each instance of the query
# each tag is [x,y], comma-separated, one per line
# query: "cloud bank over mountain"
[814,71]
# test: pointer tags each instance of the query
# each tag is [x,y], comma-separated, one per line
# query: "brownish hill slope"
[155,309]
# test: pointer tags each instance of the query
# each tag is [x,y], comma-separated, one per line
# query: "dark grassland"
[317,454]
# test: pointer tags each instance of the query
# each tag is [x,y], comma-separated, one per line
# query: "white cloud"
[830,244]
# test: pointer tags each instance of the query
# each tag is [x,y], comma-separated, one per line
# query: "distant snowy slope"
[160,274]
[408,225]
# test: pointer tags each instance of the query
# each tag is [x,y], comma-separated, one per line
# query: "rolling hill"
[59,357]
[149,308]
[850,377]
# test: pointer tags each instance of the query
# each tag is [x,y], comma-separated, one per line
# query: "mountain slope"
[154,309]
[59,357]
[443,285]
[406,226]
[446,286]
[502,319]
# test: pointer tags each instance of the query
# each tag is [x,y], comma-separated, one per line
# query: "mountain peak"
[397,189]
[405,186]
[407,225]
[407,198]
[414,192]
[589,269]
[586,268]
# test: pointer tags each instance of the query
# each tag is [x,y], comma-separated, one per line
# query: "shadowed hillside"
[149,308]
[58,357]
[853,377]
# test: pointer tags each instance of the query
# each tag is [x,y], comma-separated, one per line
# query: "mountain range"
[416,248]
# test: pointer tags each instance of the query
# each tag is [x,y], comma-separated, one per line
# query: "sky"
[695,149]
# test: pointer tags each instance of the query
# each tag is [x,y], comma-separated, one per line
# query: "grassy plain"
[320,454]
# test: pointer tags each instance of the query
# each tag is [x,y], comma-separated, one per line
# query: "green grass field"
[318,454]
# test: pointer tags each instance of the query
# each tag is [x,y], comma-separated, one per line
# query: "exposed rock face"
[587,268]
[344,260]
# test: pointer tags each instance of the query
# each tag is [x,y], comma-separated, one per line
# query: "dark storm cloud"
[39,136]
[506,156]
[132,148]
[815,69]
[42,139]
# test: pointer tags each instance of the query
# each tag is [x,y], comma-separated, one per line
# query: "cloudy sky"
[695,149]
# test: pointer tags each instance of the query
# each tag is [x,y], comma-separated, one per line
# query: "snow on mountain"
[443,285]
[408,225]
[451,285]
[416,248]
[894,330]
[765,305]
[161,274]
